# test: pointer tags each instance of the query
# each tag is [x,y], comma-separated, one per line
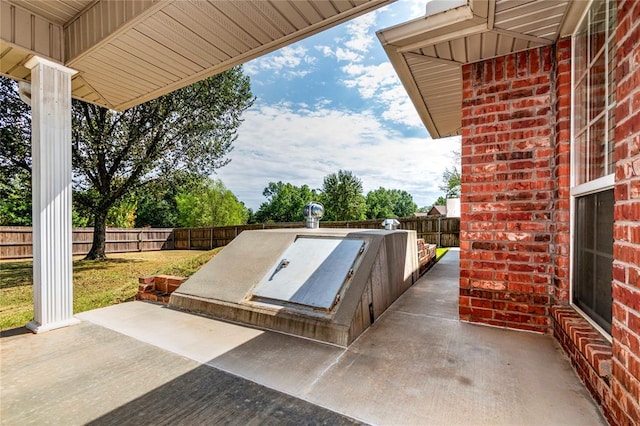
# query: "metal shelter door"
[311,271]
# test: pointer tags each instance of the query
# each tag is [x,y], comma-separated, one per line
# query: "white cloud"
[380,83]
[348,55]
[375,82]
[295,144]
[371,80]
[355,42]
[418,8]
[405,10]
[359,32]
[290,60]
[326,51]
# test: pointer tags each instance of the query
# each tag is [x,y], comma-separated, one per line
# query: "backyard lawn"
[95,284]
[441,251]
[98,284]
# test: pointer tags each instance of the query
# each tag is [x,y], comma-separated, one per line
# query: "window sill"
[579,338]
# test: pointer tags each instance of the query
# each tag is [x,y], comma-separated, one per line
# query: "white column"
[51,186]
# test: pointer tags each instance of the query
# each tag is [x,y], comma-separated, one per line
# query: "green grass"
[441,251]
[96,284]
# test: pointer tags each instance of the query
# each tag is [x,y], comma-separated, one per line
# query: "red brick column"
[507,239]
[562,173]
[625,383]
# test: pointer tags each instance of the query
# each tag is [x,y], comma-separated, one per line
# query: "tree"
[403,204]
[123,213]
[441,201]
[210,205]
[15,132]
[116,153]
[15,156]
[284,202]
[451,178]
[342,197]
[386,203]
[15,199]
[157,205]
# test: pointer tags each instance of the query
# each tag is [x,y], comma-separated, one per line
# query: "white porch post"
[51,186]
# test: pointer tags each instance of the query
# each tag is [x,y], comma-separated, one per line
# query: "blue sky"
[331,102]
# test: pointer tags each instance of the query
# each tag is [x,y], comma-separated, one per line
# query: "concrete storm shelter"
[546,98]
[324,284]
[118,54]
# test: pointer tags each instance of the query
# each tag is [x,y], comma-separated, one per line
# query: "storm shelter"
[324,284]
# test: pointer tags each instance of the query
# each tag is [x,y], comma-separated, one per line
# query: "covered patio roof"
[427,53]
[129,52]
[118,54]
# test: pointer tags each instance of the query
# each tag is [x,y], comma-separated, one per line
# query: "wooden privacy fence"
[16,242]
[445,232]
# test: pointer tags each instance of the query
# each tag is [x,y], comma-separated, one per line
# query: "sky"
[333,101]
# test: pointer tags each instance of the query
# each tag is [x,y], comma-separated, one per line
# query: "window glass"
[580,155]
[580,52]
[594,256]
[597,28]
[597,152]
[580,116]
[594,93]
[597,86]
[593,123]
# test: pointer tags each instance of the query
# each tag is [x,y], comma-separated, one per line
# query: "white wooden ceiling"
[131,51]
[427,53]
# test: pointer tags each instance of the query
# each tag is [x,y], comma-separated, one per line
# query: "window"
[593,163]
[594,255]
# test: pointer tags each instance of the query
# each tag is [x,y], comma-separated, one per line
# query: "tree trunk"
[97,251]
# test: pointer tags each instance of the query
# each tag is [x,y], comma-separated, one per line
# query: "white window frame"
[601,184]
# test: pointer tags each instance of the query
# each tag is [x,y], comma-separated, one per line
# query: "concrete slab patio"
[139,363]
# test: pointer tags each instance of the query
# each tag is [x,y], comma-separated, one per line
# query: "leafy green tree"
[211,205]
[403,204]
[15,156]
[451,179]
[157,205]
[284,202]
[386,203]
[441,201]
[251,216]
[342,197]
[379,204]
[123,213]
[15,199]
[15,133]
[116,153]
[79,219]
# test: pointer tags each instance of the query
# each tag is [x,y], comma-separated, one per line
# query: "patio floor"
[140,363]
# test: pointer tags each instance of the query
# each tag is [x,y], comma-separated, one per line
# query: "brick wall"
[515,207]
[510,212]
[625,383]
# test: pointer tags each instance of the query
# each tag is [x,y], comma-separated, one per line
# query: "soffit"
[427,53]
[57,11]
[128,52]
